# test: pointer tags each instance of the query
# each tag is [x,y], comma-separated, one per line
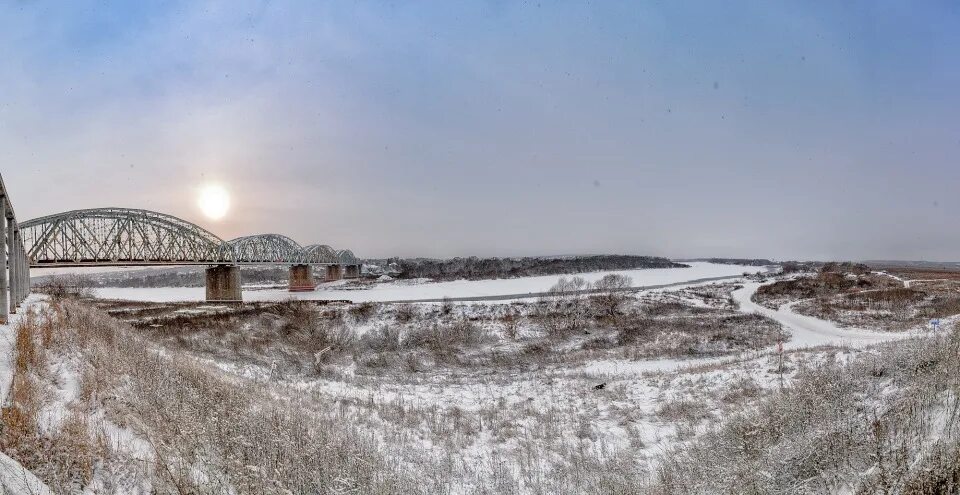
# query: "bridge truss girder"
[132,237]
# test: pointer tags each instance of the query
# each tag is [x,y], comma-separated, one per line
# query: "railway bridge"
[125,237]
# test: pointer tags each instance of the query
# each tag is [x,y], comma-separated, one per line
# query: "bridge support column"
[301,278]
[334,273]
[352,271]
[26,275]
[16,285]
[223,284]
[12,264]
[4,284]
[23,271]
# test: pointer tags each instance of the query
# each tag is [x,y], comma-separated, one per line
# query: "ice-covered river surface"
[412,290]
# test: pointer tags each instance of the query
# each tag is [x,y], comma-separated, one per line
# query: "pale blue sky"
[777,129]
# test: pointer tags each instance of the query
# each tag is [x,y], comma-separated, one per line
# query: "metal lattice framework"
[320,254]
[125,237]
[266,248]
[346,257]
[120,236]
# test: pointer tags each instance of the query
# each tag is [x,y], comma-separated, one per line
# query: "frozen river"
[411,290]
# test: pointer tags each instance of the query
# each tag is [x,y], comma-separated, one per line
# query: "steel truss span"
[320,254]
[266,248]
[347,257]
[130,237]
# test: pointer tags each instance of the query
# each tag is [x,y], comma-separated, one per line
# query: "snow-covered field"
[517,411]
[412,290]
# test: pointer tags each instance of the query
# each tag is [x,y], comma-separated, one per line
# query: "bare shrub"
[858,426]
[942,306]
[444,340]
[66,286]
[611,293]
[710,335]
[327,341]
[300,315]
[25,346]
[637,329]
[685,410]
[382,339]
[446,306]
[511,323]
[363,311]
[564,309]
[404,313]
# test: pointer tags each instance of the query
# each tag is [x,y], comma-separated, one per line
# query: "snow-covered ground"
[807,331]
[7,337]
[560,410]
[406,290]
[14,478]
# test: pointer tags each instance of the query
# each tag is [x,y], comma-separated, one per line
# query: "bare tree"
[612,293]
[67,286]
[566,307]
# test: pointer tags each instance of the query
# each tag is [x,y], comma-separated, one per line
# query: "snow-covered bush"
[880,424]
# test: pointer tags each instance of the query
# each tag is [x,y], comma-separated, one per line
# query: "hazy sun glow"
[214,201]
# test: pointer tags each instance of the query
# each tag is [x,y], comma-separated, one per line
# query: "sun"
[214,201]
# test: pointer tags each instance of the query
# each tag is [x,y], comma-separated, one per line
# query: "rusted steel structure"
[14,264]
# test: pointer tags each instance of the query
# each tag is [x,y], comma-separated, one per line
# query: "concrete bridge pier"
[223,284]
[22,269]
[12,266]
[352,271]
[334,273]
[301,278]
[4,284]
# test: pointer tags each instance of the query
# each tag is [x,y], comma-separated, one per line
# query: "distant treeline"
[736,261]
[474,268]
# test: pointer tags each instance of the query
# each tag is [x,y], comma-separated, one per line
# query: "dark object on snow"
[600,387]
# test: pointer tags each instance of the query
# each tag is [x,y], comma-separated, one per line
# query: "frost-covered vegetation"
[885,422]
[852,296]
[95,406]
[670,391]
[304,337]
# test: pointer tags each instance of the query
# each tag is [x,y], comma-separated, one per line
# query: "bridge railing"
[14,265]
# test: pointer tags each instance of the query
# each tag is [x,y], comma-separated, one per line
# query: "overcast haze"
[805,130]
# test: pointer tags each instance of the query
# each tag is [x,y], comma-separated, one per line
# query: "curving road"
[807,331]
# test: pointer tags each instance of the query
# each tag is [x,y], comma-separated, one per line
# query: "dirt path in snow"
[807,331]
